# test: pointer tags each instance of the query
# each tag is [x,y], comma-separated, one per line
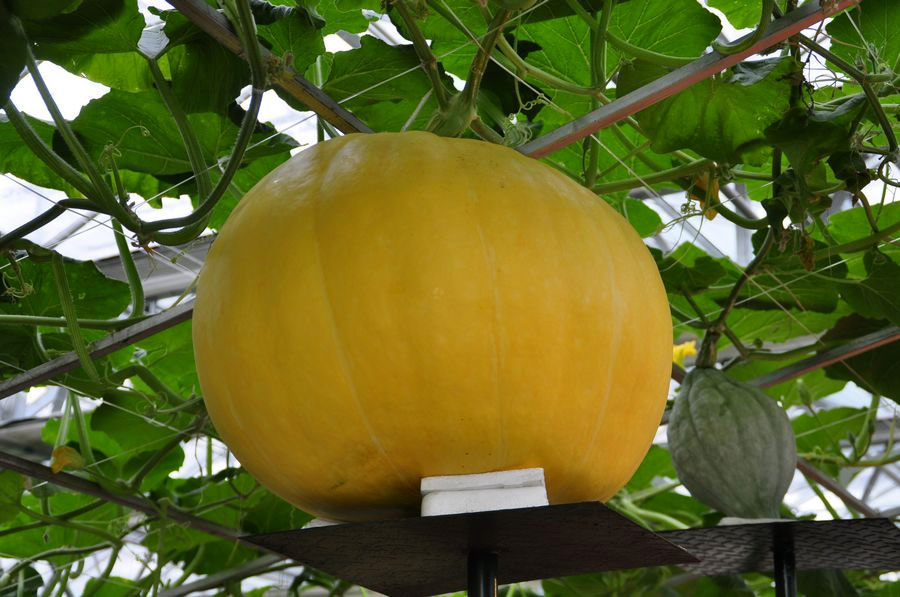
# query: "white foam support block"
[523,477]
[501,490]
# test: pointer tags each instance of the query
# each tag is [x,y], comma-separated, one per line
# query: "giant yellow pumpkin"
[386,307]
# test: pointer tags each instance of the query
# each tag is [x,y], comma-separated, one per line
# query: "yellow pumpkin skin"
[386,307]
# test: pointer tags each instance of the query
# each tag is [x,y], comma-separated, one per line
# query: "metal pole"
[785,565]
[482,574]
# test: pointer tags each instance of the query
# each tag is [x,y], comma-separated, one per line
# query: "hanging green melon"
[732,445]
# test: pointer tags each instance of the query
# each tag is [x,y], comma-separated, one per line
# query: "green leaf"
[98,40]
[381,84]
[204,75]
[878,296]
[657,463]
[852,224]
[824,432]
[94,295]
[12,485]
[169,355]
[688,268]
[296,33]
[345,15]
[45,9]
[716,586]
[740,13]
[608,584]
[102,444]
[722,118]
[809,388]
[358,74]
[12,48]
[808,136]
[869,28]
[825,582]
[671,27]
[270,514]
[113,586]
[129,422]
[17,159]
[147,140]
[644,219]
[32,581]
[108,517]
[875,370]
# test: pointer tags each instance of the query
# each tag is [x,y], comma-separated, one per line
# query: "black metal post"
[785,565]
[482,574]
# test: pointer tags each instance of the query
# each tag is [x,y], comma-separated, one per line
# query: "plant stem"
[736,218]
[194,223]
[64,516]
[482,56]
[821,495]
[60,322]
[158,455]
[751,175]
[707,354]
[75,526]
[864,81]
[131,273]
[662,176]
[99,188]
[764,19]
[68,309]
[644,494]
[423,51]
[45,218]
[147,376]
[84,440]
[859,244]
[43,151]
[191,144]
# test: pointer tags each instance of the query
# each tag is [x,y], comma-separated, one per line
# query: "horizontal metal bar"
[104,346]
[678,80]
[216,25]
[829,357]
[69,481]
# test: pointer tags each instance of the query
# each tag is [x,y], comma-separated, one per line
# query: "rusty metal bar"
[680,79]
[124,337]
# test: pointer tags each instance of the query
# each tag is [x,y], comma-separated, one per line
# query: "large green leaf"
[17,159]
[722,118]
[671,27]
[142,131]
[296,34]
[98,40]
[874,370]
[382,84]
[871,27]
[34,293]
[807,136]
[204,75]
[12,48]
[878,295]
[689,268]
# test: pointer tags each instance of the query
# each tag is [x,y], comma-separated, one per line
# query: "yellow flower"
[682,351]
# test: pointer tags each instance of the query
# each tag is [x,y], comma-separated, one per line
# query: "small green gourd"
[732,445]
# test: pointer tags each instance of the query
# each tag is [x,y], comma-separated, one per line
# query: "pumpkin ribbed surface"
[732,445]
[386,307]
